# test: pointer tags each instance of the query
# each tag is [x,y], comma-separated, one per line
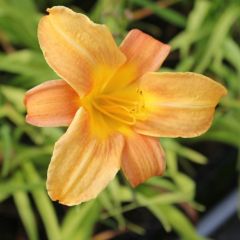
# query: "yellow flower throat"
[123,110]
[114,105]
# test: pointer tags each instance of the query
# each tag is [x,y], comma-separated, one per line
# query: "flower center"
[122,107]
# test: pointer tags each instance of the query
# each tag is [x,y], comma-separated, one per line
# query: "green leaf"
[79,221]
[166,13]
[10,186]
[114,191]
[218,36]
[198,15]
[28,63]
[186,185]
[6,149]
[157,212]
[171,160]
[24,208]
[42,202]
[162,183]
[180,223]
[165,198]
[19,20]
[183,151]
[14,95]
[232,53]
[12,114]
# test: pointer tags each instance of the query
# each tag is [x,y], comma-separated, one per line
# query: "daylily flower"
[114,104]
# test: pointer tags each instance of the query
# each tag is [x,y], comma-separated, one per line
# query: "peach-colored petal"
[143,158]
[178,104]
[144,54]
[53,103]
[74,46]
[82,165]
[143,51]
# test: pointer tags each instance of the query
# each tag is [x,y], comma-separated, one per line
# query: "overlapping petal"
[74,47]
[143,158]
[82,165]
[53,103]
[143,51]
[144,54]
[178,104]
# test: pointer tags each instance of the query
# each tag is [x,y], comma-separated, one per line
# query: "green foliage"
[208,34]
[167,14]
[18,22]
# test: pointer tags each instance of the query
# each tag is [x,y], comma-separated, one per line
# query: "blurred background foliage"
[204,36]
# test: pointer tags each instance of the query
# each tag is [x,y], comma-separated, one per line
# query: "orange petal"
[82,165]
[178,104]
[143,158]
[143,51]
[53,103]
[74,46]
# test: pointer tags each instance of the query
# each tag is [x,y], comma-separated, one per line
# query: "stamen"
[116,112]
[118,100]
[123,109]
